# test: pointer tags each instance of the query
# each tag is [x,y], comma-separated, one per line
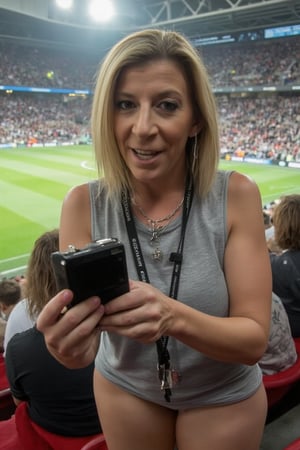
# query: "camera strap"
[164,369]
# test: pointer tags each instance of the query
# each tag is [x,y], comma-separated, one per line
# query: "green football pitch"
[34,182]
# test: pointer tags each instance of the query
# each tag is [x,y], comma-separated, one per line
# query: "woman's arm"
[75,222]
[73,337]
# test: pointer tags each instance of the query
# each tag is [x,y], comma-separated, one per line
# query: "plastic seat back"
[7,405]
[279,384]
[295,445]
[34,436]
[97,443]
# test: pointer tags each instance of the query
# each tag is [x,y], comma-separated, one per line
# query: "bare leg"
[233,427]
[131,423]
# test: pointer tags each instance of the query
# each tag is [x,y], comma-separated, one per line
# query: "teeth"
[144,154]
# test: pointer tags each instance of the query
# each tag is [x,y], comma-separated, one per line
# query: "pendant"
[155,236]
[165,377]
[176,377]
[157,254]
[168,377]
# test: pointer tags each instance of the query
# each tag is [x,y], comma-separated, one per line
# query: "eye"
[124,104]
[168,106]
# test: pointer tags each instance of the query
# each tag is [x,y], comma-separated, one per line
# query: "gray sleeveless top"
[132,365]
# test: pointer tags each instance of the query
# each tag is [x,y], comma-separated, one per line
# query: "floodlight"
[64,4]
[101,11]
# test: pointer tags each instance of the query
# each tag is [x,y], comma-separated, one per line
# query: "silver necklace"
[156,229]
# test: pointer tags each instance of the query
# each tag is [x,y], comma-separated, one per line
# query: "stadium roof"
[201,18]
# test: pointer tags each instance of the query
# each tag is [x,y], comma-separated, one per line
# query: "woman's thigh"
[131,423]
[233,427]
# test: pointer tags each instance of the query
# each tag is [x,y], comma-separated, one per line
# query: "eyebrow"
[165,93]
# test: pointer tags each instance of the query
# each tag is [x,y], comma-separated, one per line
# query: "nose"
[144,122]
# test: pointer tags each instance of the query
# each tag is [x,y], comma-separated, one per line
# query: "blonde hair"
[41,285]
[286,221]
[137,49]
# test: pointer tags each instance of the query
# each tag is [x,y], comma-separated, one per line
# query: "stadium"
[49,58]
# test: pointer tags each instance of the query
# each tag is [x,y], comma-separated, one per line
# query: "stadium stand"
[254,63]
[261,125]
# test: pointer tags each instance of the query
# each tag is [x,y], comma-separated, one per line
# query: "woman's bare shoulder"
[241,185]
[75,224]
[244,199]
[77,194]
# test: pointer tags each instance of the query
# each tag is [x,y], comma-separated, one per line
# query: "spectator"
[155,135]
[268,225]
[281,351]
[286,264]
[10,295]
[59,400]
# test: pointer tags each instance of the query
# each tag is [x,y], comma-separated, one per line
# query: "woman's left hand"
[143,314]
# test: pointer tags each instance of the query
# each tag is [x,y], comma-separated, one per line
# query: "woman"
[285,257]
[178,353]
[281,351]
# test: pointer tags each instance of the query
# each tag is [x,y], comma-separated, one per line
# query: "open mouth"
[144,154]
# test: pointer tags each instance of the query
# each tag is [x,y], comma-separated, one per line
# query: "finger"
[82,318]
[51,315]
[52,310]
[139,332]
[135,298]
[82,339]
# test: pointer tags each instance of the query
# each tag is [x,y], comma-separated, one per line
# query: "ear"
[196,128]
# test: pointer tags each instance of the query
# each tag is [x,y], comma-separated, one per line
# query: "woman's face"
[153,118]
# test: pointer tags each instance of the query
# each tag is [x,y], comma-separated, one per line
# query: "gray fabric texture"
[132,365]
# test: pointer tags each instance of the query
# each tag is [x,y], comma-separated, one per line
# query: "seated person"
[281,351]
[19,320]
[60,400]
[10,295]
[286,263]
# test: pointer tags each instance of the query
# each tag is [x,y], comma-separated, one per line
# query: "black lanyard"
[176,257]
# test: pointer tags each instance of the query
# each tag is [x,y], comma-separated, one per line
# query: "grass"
[34,182]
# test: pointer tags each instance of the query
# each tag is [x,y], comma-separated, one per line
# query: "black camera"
[98,269]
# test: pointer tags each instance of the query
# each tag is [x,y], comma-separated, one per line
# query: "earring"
[195,152]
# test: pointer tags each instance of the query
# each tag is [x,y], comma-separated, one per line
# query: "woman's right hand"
[72,337]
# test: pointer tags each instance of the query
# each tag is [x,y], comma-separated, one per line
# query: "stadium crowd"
[262,126]
[263,63]
[44,67]
[254,63]
[28,119]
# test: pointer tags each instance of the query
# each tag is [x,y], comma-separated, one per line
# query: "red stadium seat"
[279,384]
[9,439]
[295,445]
[97,443]
[7,406]
[297,344]
[35,437]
